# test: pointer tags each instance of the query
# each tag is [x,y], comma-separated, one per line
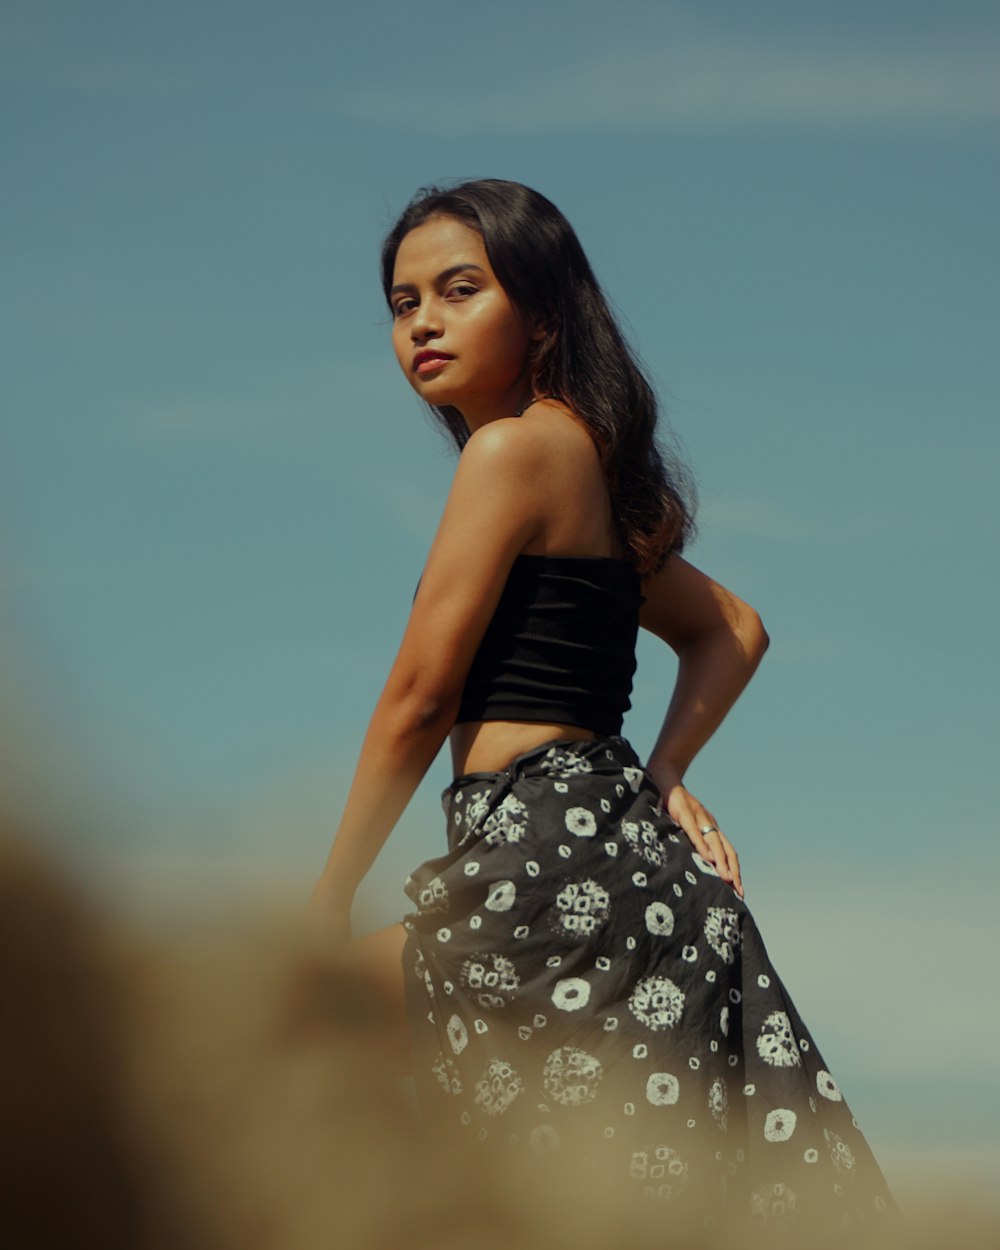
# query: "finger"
[714,840]
[685,814]
[719,856]
[733,862]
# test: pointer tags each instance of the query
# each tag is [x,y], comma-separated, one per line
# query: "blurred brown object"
[242,1091]
[69,1177]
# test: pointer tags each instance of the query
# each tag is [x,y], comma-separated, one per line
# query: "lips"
[428,361]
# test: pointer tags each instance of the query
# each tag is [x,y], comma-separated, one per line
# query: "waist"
[604,754]
[490,746]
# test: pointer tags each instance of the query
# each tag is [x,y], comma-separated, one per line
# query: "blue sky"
[216,493]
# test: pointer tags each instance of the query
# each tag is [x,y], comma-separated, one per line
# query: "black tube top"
[560,647]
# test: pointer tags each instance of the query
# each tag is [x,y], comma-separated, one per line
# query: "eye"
[403,305]
[461,290]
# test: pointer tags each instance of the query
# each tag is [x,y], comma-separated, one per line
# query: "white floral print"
[657,1003]
[446,1071]
[840,1153]
[779,1124]
[564,762]
[659,919]
[476,809]
[458,1034]
[543,1138]
[501,897]
[633,778]
[498,1087]
[433,896]
[581,907]
[722,928]
[718,1103]
[662,1088]
[571,1076]
[490,979]
[571,994]
[775,1202]
[642,837]
[827,1086]
[581,822]
[775,1043]
[663,1165]
[507,822]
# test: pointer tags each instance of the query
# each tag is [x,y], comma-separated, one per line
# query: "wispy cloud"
[29,58]
[705,84]
[751,517]
[415,506]
[189,419]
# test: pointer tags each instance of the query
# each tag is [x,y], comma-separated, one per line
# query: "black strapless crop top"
[560,647]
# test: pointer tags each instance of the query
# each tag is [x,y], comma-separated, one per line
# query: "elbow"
[753,636]
[421,708]
[430,711]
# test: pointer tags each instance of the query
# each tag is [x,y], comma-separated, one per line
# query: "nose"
[425,322]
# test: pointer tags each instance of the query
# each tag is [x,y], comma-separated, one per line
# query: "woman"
[582,953]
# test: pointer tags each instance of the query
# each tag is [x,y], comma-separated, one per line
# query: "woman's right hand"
[691,815]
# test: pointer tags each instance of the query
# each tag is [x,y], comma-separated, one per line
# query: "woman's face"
[457,336]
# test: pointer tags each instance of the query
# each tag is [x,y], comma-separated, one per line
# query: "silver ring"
[707,829]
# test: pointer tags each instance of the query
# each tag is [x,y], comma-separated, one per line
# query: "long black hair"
[583,360]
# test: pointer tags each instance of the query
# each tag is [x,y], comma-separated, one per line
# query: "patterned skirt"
[579,979]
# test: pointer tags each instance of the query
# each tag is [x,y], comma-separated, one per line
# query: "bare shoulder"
[508,442]
[528,450]
[553,448]
[558,432]
[496,504]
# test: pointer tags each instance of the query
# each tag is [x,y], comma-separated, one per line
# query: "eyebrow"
[442,277]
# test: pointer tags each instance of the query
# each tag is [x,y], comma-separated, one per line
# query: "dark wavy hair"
[583,360]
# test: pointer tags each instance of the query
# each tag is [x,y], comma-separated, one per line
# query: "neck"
[510,404]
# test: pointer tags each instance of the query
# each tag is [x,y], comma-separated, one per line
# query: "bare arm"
[719,641]
[491,514]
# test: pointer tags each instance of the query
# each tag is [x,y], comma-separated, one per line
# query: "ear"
[538,330]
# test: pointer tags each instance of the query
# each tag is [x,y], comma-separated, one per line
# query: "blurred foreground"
[239,1090]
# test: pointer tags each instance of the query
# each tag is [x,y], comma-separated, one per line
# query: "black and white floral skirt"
[579,979]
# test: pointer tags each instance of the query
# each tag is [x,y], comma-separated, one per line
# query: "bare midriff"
[489,746]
